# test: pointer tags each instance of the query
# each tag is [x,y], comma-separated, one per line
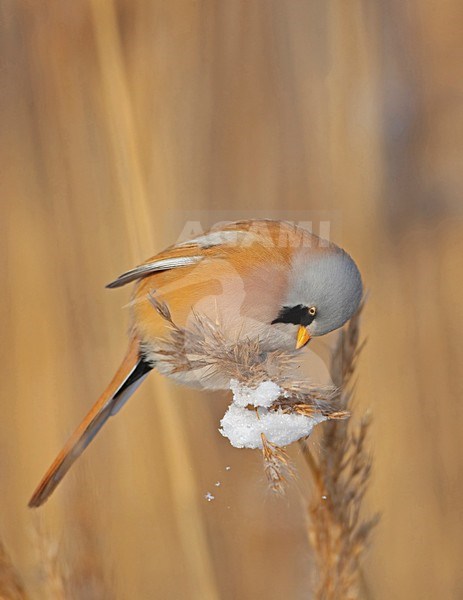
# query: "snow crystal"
[209,497]
[244,427]
[264,394]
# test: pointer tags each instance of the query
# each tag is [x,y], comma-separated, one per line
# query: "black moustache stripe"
[297,315]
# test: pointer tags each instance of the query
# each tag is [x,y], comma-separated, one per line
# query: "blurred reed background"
[119,118]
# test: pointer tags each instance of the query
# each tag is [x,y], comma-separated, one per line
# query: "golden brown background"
[118,120]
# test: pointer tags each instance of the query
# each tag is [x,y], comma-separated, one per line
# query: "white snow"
[209,497]
[264,394]
[243,427]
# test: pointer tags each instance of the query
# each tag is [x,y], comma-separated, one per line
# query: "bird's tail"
[128,377]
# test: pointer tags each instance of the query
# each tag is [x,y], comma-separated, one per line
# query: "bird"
[266,280]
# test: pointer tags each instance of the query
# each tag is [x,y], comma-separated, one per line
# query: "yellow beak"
[303,336]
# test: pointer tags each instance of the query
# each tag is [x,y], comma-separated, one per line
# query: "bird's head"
[324,291]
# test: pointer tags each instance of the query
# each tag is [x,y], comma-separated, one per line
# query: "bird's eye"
[312,311]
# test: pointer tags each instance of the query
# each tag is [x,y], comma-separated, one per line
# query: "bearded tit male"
[260,280]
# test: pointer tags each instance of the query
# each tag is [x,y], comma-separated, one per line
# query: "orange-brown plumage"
[271,244]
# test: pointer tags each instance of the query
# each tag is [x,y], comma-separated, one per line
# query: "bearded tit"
[260,280]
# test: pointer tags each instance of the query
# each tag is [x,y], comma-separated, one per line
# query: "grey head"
[324,290]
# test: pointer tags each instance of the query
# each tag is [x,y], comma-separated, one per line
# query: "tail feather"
[128,377]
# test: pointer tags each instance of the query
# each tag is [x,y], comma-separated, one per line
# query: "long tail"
[128,377]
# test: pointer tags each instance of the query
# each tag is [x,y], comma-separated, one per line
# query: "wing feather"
[190,252]
[163,264]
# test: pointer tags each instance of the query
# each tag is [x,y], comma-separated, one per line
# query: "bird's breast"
[241,299]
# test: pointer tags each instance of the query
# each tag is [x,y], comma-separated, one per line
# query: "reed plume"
[70,570]
[203,345]
[337,531]
[11,586]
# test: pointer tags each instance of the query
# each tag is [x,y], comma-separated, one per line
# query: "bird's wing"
[229,236]
[186,254]
[153,266]
[129,376]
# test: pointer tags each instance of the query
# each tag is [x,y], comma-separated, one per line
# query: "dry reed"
[277,465]
[11,586]
[51,573]
[69,570]
[338,534]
